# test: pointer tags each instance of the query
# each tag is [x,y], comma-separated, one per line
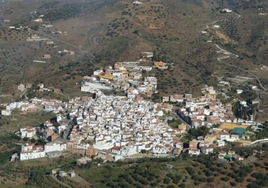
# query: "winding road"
[63,41]
[226,55]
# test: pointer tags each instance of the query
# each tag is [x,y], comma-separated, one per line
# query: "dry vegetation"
[121,34]
[110,31]
[201,171]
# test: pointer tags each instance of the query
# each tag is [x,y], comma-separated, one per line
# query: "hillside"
[103,32]
[183,171]
[124,32]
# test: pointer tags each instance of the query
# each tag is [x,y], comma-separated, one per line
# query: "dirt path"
[58,181]
[65,42]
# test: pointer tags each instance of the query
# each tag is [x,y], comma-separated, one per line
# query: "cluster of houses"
[125,76]
[230,155]
[40,86]
[36,38]
[217,138]
[206,110]
[118,127]
[121,125]
[60,173]
[51,150]
[34,105]
[65,51]
[22,87]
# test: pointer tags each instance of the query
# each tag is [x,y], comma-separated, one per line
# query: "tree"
[32,140]
[190,170]
[136,32]
[166,181]
[143,151]
[232,183]
[40,142]
[36,27]
[25,139]
[14,136]
[200,131]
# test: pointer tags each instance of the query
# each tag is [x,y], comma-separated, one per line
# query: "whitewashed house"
[21,87]
[194,151]
[206,150]
[224,135]
[28,151]
[50,147]
[6,112]
[28,132]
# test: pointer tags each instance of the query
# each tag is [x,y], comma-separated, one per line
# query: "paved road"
[67,131]
[182,120]
[265,140]
[228,54]
[220,59]
[214,22]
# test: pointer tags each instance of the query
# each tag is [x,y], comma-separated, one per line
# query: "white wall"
[55,147]
[31,155]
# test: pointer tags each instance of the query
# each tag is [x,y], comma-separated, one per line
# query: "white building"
[221,143]
[160,150]
[59,118]
[28,151]
[216,26]
[14,105]
[38,20]
[224,135]
[28,132]
[239,91]
[41,85]
[206,150]
[194,151]
[226,10]
[21,87]
[118,157]
[6,112]
[50,147]
[89,87]
[137,3]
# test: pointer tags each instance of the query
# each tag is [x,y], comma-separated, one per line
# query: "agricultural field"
[183,171]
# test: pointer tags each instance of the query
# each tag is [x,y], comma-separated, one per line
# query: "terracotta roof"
[116,148]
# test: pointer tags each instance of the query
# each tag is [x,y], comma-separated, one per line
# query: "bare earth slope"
[103,32]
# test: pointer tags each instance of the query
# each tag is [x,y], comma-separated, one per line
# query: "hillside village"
[121,121]
[133,94]
[116,127]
